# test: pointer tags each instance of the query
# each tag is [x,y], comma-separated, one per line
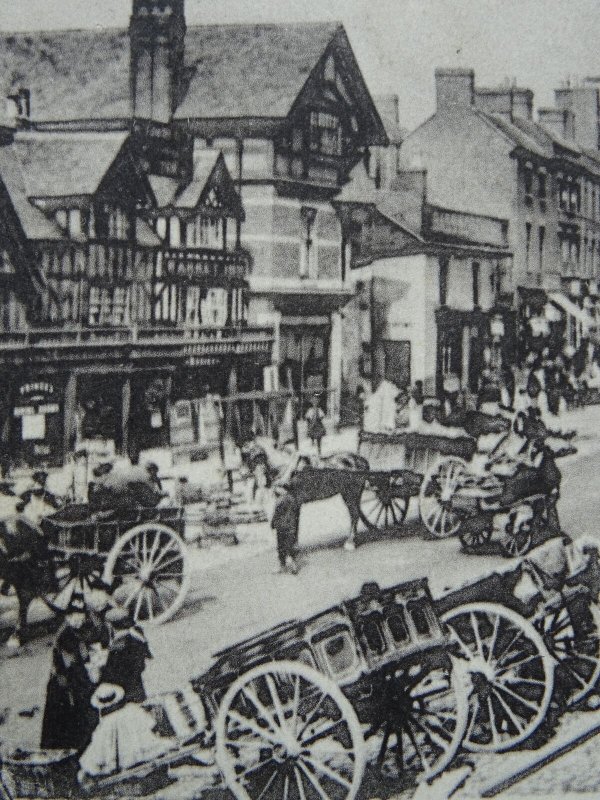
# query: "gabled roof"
[519,137]
[35,224]
[63,164]
[233,71]
[210,171]
[545,136]
[250,70]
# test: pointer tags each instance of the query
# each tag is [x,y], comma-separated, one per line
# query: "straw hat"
[106,696]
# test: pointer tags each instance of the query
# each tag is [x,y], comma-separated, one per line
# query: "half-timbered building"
[229,143]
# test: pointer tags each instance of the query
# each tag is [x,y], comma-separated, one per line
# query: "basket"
[43,773]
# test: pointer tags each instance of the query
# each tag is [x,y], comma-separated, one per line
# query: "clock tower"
[157,40]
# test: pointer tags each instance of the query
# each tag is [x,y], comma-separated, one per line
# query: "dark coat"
[126,662]
[69,719]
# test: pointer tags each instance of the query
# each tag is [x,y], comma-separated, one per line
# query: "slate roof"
[62,164]
[236,70]
[250,70]
[35,224]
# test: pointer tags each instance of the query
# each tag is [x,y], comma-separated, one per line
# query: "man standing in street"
[284,522]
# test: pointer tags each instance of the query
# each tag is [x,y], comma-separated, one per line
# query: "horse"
[26,564]
[341,474]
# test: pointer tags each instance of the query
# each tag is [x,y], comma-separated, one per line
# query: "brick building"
[485,154]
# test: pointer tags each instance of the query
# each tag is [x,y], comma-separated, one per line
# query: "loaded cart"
[295,713]
[141,553]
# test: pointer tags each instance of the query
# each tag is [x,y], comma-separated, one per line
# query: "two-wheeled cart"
[141,553]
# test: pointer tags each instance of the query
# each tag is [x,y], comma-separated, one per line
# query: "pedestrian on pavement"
[127,657]
[315,428]
[284,522]
[69,718]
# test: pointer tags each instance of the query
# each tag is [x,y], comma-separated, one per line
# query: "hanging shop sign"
[36,401]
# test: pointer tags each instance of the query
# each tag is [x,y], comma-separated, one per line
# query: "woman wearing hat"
[123,738]
[69,718]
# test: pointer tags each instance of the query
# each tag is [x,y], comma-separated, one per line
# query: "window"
[108,306]
[74,222]
[527,243]
[175,232]
[542,236]
[329,70]
[308,261]
[443,281]
[475,271]
[528,182]
[542,187]
[325,134]
[214,308]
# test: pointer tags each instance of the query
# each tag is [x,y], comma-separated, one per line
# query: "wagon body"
[139,552]
[350,643]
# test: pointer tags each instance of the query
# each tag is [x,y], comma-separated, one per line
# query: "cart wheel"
[575,645]
[380,505]
[437,489]
[517,542]
[72,575]
[285,730]
[472,539]
[150,565]
[512,674]
[425,708]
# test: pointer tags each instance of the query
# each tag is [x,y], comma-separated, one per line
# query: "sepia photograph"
[299,399]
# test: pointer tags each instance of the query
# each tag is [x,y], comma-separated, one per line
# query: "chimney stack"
[454,87]
[560,121]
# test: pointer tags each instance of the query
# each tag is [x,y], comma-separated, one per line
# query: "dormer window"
[325,133]
[329,70]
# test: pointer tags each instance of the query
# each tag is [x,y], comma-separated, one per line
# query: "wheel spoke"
[476,631]
[262,709]
[316,735]
[312,715]
[519,698]
[519,725]
[314,781]
[492,718]
[276,701]
[269,782]
[492,642]
[327,771]
[299,783]
[267,734]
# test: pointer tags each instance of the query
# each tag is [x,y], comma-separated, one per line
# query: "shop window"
[325,133]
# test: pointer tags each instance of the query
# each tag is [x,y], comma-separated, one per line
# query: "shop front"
[34,424]
[462,338]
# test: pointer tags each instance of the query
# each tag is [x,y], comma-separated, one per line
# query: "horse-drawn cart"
[141,553]
[421,455]
[297,712]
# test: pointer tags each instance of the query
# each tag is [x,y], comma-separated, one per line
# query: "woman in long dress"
[69,719]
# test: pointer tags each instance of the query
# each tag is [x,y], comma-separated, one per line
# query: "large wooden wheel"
[511,671]
[382,505]
[423,710]
[437,489]
[286,731]
[574,642]
[149,567]
[73,575]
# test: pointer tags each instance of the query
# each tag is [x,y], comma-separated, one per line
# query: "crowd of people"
[98,662]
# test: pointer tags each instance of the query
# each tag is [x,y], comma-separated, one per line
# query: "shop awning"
[571,308]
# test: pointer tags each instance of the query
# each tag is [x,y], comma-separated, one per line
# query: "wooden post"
[125,414]
[69,413]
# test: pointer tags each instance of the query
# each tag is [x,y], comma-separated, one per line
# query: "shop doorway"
[99,409]
[392,360]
